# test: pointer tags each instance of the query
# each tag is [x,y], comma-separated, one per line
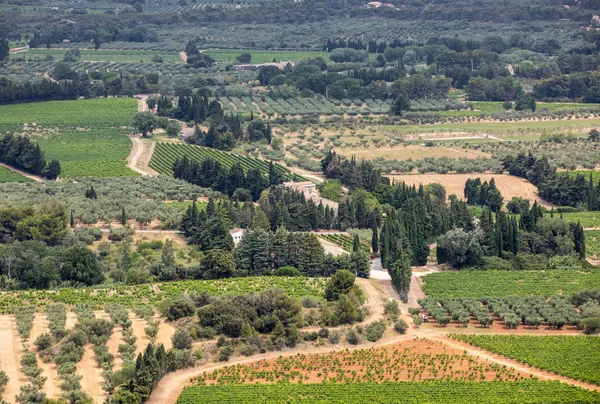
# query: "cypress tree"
[579,240]
[123,216]
[356,245]
[72,220]
[375,239]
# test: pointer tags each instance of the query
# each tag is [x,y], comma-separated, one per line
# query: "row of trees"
[20,152]
[483,194]
[350,173]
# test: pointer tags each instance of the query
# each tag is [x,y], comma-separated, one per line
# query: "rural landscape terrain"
[285,201]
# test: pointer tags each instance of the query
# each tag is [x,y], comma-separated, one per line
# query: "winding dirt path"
[36,178]
[376,291]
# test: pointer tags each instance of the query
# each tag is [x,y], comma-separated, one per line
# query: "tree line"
[20,152]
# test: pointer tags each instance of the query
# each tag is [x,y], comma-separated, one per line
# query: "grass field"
[88,137]
[264,56]
[7,175]
[105,55]
[573,356]
[527,392]
[478,284]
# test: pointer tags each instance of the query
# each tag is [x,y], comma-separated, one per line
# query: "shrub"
[288,271]
[400,326]
[591,325]
[180,307]
[324,332]
[391,307]
[309,302]
[310,336]
[225,353]
[352,337]
[182,339]
[414,311]
[375,331]
[43,342]
[334,337]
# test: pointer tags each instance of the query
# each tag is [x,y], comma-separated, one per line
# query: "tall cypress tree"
[579,240]
[123,216]
[356,244]
[375,239]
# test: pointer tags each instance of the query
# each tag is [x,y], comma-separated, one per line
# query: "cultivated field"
[7,175]
[263,56]
[88,137]
[508,185]
[105,55]
[480,284]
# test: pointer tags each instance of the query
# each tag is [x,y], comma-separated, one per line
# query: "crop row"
[532,311]
[573,356]
[346,242]
[165,155]
[130,296]
[532,392]
[478,284]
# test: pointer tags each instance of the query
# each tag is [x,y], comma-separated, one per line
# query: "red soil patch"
[415,360]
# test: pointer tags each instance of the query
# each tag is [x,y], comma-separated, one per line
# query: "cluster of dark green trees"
[483,194]
[559,188]
[352,174]
[264,252]
[20,152]
[191,106]
[503,235]
[226,130]
[231,181]
[33,255]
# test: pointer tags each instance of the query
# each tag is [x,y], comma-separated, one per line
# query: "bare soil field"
[508,185]
[51,387]
[9,359]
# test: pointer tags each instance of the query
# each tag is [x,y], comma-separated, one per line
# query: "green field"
[572,356]
[131,296]
[264,56]
[166,153]
[526,392]
[587,219]
[7,175]
[88,137]
[478,284]
[514,128]
[592,243]
[104,55]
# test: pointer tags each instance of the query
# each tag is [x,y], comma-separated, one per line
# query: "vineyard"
[166,153]
[530,392]
[88,137]
[130,296]
[478,284]
[416,360]
[577,357]
[7,175]
[344,241]
[263,56]
[512,312]
[587,219]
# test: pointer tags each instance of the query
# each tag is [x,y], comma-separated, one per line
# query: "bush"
[182,339]
[414,311]
[324,332]
[400,326]
[309,302]
[180,307]
[334,337]
[591,325]
[352,337]
[225,353]
[391,307]
[288,271]
[417,321]
[375,331]
[43,342]
[310,336]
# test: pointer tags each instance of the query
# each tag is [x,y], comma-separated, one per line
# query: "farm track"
[135,157]
[9,359]
[36,178]
[376,291]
